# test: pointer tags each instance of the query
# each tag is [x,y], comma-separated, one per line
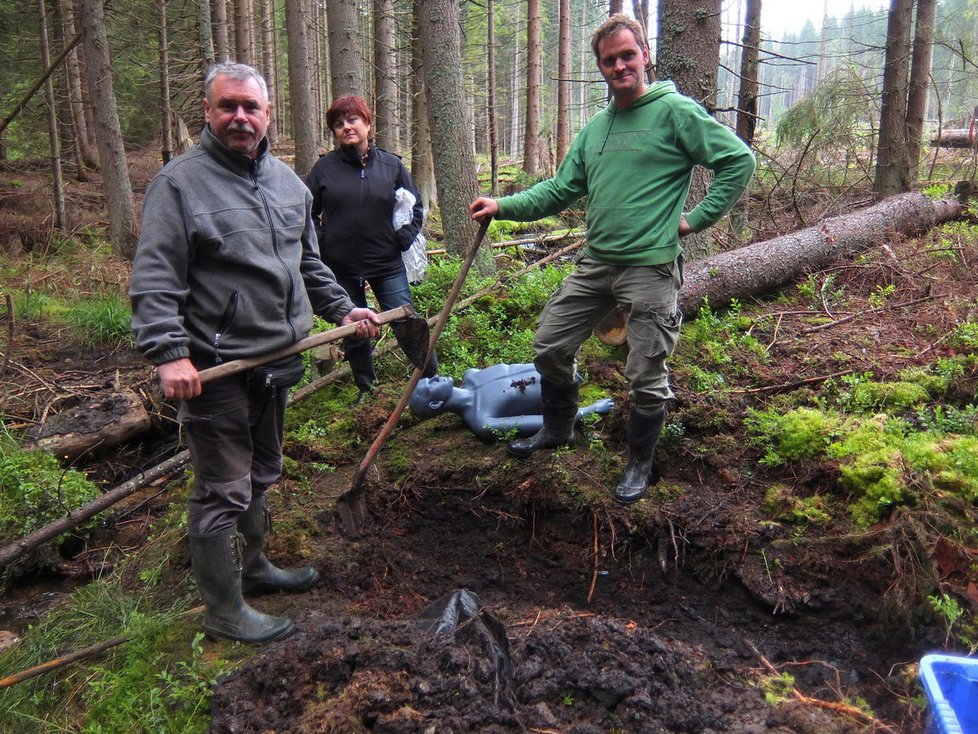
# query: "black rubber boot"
[361,362]
[643,435]
[217,567]
[559,408]
[258,574]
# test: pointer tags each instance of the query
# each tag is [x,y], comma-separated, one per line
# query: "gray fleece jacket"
[227,265]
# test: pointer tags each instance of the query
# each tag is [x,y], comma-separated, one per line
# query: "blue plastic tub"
[951,683]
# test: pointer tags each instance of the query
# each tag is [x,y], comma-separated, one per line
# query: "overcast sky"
[788,16]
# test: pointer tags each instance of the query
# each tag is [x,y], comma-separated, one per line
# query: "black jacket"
[353,208]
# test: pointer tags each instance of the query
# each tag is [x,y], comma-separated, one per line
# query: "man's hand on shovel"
[368,325]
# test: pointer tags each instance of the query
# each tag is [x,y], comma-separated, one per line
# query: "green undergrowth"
[77,286]
[158,680]
[37,480]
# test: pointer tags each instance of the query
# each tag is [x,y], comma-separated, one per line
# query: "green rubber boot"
[559,408]
[258,574]
[216,562]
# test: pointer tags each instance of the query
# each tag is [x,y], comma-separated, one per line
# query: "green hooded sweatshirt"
[635,166]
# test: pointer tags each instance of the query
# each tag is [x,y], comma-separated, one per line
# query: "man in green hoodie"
[634,162]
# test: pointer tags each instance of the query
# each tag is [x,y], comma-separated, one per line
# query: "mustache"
[241,127]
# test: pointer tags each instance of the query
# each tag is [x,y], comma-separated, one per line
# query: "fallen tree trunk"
[764,266]
[955,138]
[92,426]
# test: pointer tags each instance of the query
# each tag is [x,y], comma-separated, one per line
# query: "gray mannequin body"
[492,401]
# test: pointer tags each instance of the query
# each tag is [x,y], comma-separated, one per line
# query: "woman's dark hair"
[348,105]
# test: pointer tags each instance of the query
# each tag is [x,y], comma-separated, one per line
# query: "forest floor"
[693,611]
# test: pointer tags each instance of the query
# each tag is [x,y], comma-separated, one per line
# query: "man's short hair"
[233,70]
[612,27]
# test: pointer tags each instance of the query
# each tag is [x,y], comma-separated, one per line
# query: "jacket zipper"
[275,249]
[229,310]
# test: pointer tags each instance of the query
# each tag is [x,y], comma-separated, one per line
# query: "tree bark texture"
[219,25]
[747,97]
[93,426]
[112,153]
[244,31]
[386,123]
[166,114]
[80,133]
[346,48]
[920,64]
[422,160]
[57,176]
[765,266]
[531,133]
[304,129]
[268,65]
[491,121]
[688,53]
[891,162]
[451,139]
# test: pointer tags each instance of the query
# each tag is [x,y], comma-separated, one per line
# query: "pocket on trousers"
[284,373]
[657,328]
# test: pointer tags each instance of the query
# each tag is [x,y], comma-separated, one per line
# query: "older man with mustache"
[227,268]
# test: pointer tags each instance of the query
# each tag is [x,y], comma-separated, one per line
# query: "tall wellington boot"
[258,574]
[643,435]
[559,408]
[216,562]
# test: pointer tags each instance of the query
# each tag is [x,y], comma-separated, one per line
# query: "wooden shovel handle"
[330,335]
[440,322]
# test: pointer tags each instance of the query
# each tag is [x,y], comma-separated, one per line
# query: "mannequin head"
[430,396]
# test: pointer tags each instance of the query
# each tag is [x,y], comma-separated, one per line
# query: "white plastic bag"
[415,257]
[416,260]
[404,202]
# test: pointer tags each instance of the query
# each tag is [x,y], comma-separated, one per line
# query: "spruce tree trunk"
[304,129]
[531,132]
[451,138]
[112,153]
[892,175]
[346,53]
[386,123]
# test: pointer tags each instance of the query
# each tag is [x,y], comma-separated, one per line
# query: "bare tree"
[422,160]
[166,113]
[219,25]
[563,80]
[451,139]
[747,97]
[58,184]
[892,176]
[81,137]
[346,61]
[244,31]
[268,65]
[493,125]
[304,127]
[205,35]
[386,122]
[112,153]
[920,68]
[531,131]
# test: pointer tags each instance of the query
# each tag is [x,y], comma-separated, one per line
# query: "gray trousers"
[650,293]
[234,432]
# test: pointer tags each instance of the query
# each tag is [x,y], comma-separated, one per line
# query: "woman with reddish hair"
[352,207]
